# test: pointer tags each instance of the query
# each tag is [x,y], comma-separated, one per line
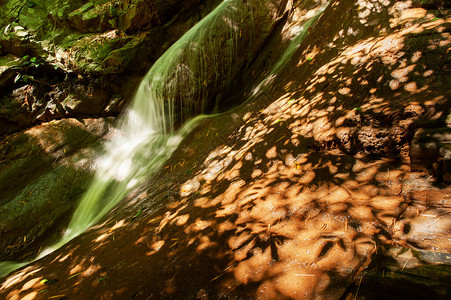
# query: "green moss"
[88,53]
[81,10]
[9,61]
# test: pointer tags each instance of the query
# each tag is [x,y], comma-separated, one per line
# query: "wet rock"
[227,40]
[435,257]
[308,225]
[431,150]
[43,172]
[404,273]
[56,42]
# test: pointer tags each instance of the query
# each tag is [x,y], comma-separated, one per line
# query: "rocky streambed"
[330,181]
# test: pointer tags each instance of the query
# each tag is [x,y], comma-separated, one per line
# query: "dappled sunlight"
[110,231]
[19,277]
[295,220]
[86,49]
[59,138]
[303,222]
[292,194]
[426,219]
[385,49]
[56,158]
[352,99]
[279,205]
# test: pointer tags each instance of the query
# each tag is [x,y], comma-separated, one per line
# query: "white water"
[146,137]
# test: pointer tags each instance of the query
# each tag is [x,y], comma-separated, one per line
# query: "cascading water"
[311,19]
[198,66]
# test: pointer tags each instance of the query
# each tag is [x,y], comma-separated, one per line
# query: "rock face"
[81,58]
[431,150]
[79,35]
[290,195]
[197,72]
[43,172]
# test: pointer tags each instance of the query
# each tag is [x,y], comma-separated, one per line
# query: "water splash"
[201,63]
[197,67]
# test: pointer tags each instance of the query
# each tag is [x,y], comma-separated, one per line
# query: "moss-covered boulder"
[199,69]
[62,31]
[43,172]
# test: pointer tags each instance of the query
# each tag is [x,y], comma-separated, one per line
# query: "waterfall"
[201,63]
[198,67]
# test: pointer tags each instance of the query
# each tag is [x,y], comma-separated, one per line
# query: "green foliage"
[28,61]
[137,214]
[25,62]
[25,78]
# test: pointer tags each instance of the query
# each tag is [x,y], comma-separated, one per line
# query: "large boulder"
[69,33]
[197,72]
[292,194]
[43,172]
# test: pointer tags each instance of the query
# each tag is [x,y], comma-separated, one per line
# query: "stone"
[431,151]
[43,172]
[85,100]
[81,38]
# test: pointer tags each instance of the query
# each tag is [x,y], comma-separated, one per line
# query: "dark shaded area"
[41,178]
[387,279]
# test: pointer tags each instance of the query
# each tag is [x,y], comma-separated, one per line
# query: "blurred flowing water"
[179,81]
[146,135]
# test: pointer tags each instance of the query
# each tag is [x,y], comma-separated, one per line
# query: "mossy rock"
[43,172]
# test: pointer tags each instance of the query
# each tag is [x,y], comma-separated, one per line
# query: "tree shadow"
[289,195]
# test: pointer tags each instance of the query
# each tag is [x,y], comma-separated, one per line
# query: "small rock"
[431,150]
